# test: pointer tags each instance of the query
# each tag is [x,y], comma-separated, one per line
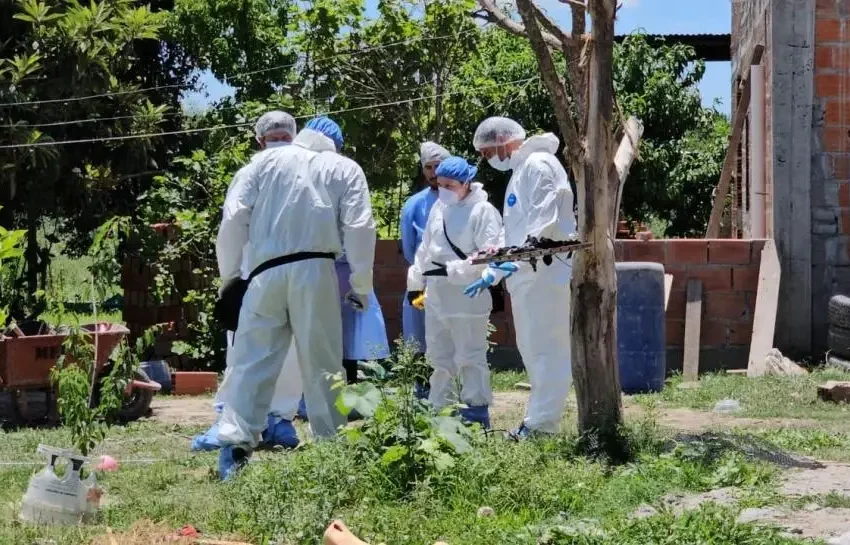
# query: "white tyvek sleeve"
[358,230]
[488,234]
[235,220]
[546,191]
[422,260]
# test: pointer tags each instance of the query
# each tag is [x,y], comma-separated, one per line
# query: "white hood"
[476,195]
[314,141]
[547,143]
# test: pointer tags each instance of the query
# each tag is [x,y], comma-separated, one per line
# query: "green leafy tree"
[56,54]
[683,143]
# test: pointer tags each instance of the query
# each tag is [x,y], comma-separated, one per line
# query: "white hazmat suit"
[538,203]
[294,201]
[455,325]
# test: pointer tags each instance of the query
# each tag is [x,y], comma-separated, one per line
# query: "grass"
[539,492]
[791,397]
[505,381]
[535,489]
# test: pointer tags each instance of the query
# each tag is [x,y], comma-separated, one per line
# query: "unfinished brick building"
[805,150]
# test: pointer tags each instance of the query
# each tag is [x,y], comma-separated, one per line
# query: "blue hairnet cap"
[329,128]
[456,168]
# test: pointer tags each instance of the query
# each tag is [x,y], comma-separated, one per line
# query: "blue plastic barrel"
[641,338]
[158,371]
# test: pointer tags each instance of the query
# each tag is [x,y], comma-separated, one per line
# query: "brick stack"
[142,309]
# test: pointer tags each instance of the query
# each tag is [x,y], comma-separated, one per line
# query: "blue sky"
[652,16]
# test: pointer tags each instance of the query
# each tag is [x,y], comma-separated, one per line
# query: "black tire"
[839,311]
[840,364]
[839,342]
[138,403]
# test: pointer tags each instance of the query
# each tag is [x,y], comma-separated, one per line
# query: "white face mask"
[503,165]
[276,144]
[448,197]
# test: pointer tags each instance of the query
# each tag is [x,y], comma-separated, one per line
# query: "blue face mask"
[277,144]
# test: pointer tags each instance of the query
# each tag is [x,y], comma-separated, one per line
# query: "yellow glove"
[419,302]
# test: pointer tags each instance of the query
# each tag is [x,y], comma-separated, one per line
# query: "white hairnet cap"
[275,122]
[431,152]
[497,131]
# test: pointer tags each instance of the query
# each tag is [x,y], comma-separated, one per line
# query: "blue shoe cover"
[420,390]
[281,433]
[520,434]
[479,414]
[230,460]
[208,441]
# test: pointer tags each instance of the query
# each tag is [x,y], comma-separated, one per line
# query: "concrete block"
[834,392]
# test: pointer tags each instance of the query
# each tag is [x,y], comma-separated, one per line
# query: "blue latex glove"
[477,288]
[508,268]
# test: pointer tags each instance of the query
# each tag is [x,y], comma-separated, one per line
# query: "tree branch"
[564,37]
[553,81]
[499,17]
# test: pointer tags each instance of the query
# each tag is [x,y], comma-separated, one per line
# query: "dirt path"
[507,410]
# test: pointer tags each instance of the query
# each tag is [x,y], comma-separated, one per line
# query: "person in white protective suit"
[273,129]
[296,212]
[538,203]
[462,223]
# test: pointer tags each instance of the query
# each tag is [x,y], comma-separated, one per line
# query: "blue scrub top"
[414,216]
[364,334]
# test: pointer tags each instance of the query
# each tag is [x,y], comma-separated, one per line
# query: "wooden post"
[729,162]
[693,321]
[764,317]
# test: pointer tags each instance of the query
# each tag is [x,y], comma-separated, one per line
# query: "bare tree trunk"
[594,284]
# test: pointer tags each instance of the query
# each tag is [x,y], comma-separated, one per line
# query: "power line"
[354,52]
[238,125]
[25,125]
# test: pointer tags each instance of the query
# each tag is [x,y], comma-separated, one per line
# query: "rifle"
[532,251]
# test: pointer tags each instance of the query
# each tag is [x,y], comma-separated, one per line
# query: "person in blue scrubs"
[364,333]
[414,216]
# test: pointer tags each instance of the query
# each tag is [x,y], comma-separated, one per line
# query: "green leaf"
[363,397]
[393,454]
[443,461]
[454,432]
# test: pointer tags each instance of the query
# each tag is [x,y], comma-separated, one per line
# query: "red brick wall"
[830,175]
[729,272]
[727,268]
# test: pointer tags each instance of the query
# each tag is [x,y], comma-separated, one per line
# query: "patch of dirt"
[145,532]
[813,482]
[692,420]
[507,408]
[183,410]
[815,522]
[679,503]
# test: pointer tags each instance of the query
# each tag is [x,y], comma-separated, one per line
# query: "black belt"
[229,303]
[289,258]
